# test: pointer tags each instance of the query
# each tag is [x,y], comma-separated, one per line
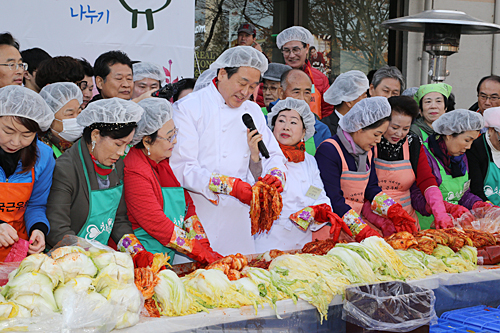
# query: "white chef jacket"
[213,139]
[285,234]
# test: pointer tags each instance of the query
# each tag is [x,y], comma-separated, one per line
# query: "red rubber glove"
[203,254]
[337,226]
[384,224]
[365,233]
[215,255]
[143,259]
[455,210]
[272,181]
[485,204]
[242,191]
[401,219]
[321,212]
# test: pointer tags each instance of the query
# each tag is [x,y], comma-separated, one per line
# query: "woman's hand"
[145,95]
[8,235]
[253,144]
[37,242]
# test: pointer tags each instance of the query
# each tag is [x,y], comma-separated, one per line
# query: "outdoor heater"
[442,30]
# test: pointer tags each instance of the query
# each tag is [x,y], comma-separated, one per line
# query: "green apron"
[425,136]
[56,151]
[174,207]
[451,188]
[492,179]
[103,205]
[264,110]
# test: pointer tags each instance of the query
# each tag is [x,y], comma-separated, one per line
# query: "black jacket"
[332,121]
[477,157]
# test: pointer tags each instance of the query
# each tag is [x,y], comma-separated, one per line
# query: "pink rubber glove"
[435,202]
[380,222]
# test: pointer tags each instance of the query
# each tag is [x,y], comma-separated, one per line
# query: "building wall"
[474,59]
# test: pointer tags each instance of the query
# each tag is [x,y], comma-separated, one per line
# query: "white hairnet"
[347,87]
[364,113]
[19,101]
[110,111]
[56,95]
[148,70]
[298,105]
[205,79]
[274,71]
[241,56]
[157,111]
[410,91]
[492,118]
[297,33]
[458,121]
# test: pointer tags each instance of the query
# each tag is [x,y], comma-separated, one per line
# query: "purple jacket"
[417,198]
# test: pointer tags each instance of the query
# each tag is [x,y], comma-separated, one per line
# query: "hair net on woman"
[298,105]
[205,79]
[458,121]
[19,101]
[241,56]
[442,88]
[143,70]
[364,113]
[274,71]
[110,111]
[347,87]
[56,95]
[157,111]
[492,118]
[297,33]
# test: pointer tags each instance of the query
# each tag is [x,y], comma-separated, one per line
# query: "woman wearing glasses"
[485,156]
[86,198]
[162,213]
[65,100]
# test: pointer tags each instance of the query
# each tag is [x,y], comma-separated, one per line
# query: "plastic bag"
[5,269]
[483,218]
[389,306]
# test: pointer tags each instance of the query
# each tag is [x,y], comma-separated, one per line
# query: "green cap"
[442,88]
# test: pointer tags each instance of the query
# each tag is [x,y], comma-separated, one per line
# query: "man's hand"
[37,242]
[8,235]
[147,94]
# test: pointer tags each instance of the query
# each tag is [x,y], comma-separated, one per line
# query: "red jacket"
[143,194]
[320,82]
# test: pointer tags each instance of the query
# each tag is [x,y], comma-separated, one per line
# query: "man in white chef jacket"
[212,156]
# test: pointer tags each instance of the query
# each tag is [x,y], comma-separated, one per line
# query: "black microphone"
[248,121]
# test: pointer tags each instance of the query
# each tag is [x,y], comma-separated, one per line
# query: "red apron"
[315,104]
[395,178]
[353,185]
[13,200]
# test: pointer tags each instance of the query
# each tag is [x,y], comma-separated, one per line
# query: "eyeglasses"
[14,66]
[170,138]
[484,98]
[82,85]
[296,50]
[271,89]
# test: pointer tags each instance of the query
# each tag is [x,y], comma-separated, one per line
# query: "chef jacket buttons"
[224,155]
[246,155]
[224,129]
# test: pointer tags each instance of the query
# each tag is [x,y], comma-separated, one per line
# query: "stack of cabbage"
[98,282]
[315,279]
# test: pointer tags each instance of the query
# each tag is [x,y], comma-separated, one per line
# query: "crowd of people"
[174,174]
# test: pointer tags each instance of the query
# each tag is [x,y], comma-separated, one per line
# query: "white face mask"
[71,130]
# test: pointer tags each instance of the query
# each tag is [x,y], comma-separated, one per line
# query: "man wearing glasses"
[294,43]
[12,66]
[488,93]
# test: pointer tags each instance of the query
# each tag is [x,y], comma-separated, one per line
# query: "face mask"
[71,130]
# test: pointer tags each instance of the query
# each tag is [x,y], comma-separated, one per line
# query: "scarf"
[295,153]
[453,165]
[102,171]
[60,144]
[390,152]
[360,156]
[420,122]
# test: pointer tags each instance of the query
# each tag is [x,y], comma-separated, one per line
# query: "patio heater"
[442,30]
